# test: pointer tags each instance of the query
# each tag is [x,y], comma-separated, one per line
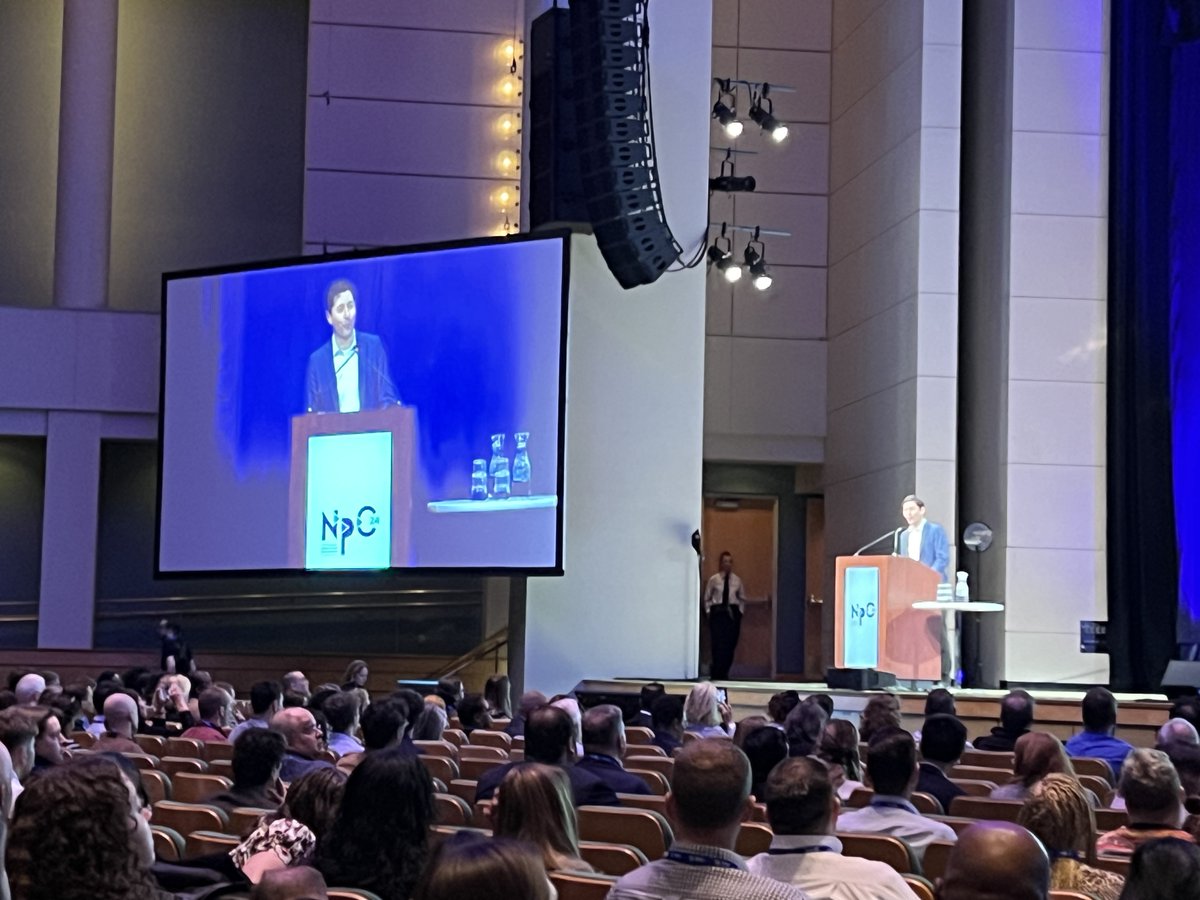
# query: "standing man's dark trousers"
[725,627]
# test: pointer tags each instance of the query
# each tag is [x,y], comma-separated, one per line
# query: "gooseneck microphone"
[894,535]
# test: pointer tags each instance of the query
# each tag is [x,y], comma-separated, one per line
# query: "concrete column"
[85,154]
[70,523]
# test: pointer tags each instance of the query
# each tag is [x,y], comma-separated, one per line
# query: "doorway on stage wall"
[747,527]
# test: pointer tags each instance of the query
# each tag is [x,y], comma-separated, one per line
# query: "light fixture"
[764,117]
[756,262]
[506,161]
[508,86]
[727,182]
[507,125]
[722,257]
[726,114]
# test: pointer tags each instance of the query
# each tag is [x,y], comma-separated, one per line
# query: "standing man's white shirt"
[914,540]
[345,368]
[715,591]
[815,864]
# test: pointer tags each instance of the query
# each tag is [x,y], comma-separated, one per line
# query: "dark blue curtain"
[1153,257]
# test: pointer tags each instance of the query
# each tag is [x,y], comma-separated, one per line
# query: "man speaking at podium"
[926,542]
[351,372]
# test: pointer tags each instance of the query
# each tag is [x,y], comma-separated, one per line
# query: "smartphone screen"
[722,695]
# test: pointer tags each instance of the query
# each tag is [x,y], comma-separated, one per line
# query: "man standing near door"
[724,602]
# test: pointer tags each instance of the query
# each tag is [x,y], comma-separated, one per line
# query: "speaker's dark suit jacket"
[375,386]
[611,773]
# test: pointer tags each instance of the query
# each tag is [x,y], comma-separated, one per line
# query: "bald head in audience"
[996,861]
[299,729]
[29,689]
[294,883]
[121,715]
[1177,731]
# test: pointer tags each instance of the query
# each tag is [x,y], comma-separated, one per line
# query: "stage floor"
[1139,716]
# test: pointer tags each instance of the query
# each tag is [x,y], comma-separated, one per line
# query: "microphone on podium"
[894,535]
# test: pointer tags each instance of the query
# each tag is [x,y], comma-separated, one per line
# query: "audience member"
[804,726]
[48,748]
[1176,731]
[533,804]
[80,831]
[1016,715]
[295,689]
[943,740]
[996,861]
[291,836]
[881,712]
[838,748]
[297,883]
[6,776]
[549,739]
[530,700]
[120,725]
[780,705]
[266,699]
[213,707]
[384,727]
[765,747]
[570,706]
[1187,708]
[824,701]
[802,809]
[431,723]
[497,690]
[257,758]
[646,697]
[1058,813]
[938,702]
[892,772]
[745,727]
[450,689]
[704,714]
[1099,722]
[414,704]
[342,712]
[380,839]
[667,718]
[1153,799]
[604,748]
[29,689]
[303,736]
[104,690]
[473,713]
[18,732]
[169,713]
[709,800]
[470,865]
[356,675]
[1035,756]
[1164,869]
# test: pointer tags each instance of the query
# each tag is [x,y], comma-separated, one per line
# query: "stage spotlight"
[755,261]
[716,254]
[764,116]
[732,184]
[728,119]
[722,257]
[730,269]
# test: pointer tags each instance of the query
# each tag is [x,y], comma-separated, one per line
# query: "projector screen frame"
[317,576]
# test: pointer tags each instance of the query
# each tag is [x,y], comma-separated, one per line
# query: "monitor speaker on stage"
[1182,677]
[858,679]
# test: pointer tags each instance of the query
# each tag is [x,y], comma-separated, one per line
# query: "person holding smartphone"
[724,602]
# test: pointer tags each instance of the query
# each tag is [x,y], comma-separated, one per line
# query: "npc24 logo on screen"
[348,506]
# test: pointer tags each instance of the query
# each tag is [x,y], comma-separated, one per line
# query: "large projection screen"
[398,409]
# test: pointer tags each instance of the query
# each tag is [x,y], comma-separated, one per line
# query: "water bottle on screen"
[498,469]
[479,479]
[961,592]
[521,472]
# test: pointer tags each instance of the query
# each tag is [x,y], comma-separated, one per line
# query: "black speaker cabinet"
[858,679]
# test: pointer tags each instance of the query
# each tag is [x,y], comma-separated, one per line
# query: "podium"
[875,622]
[350,489]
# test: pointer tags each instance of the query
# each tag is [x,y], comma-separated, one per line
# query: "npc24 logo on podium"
[337,530]
[861,612]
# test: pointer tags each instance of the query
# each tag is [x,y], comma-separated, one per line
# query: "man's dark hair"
[799,796]
[803,727]
[602,727]
[1163,868]
[651,692]
[103,691]
[1188,709]
[781,704]
[666,712]
[940,701]
[340,710]
[339,287]
[383,723]
[824,701]
[943,738]
[449,689]
[764,747]
[891,760]
[257,753]
[293,699]
[1099,709]
[549,733]
[211,702]
[413,702]
[262,695]
[1016,711]
[471,710]
[16,727]
[710,785]
[913,498]
[107,675]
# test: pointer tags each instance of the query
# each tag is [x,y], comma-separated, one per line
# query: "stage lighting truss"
[726,113]
[720,254]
